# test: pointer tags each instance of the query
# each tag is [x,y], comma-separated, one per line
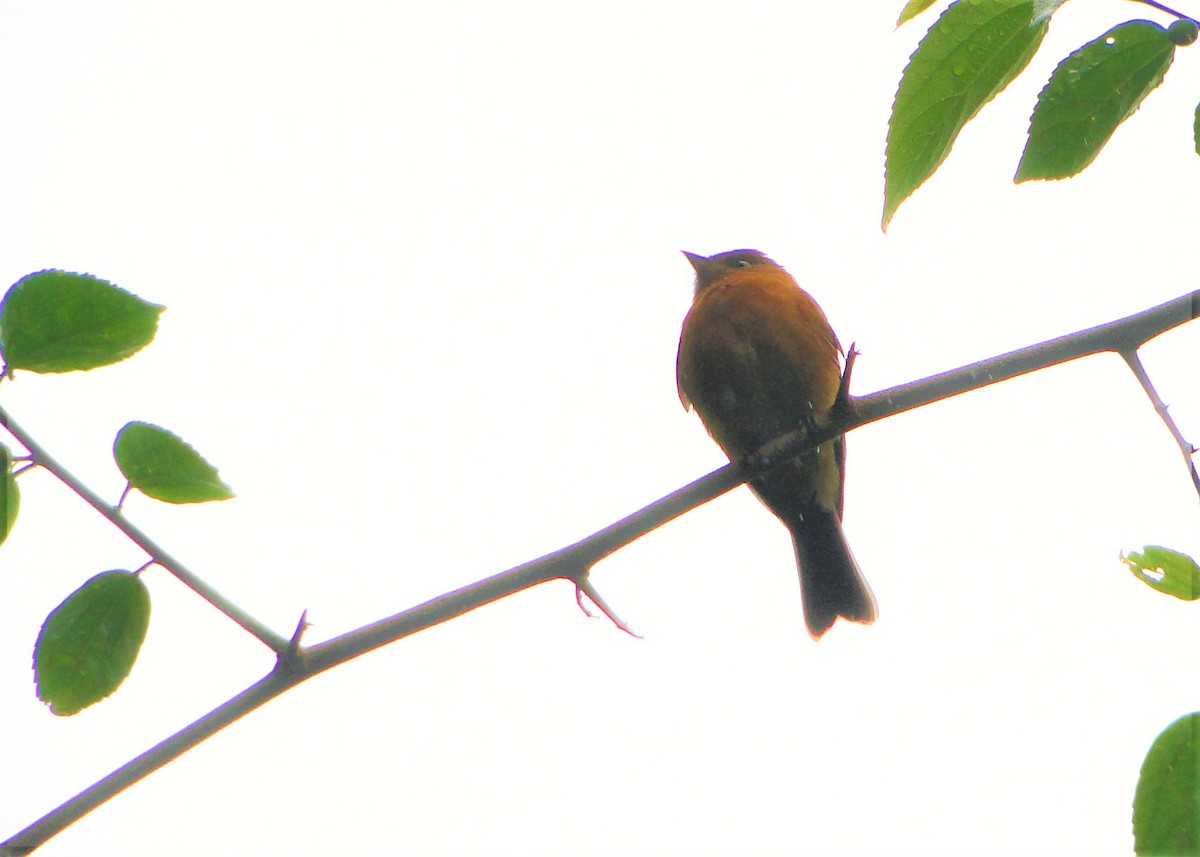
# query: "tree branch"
[156,552]
[296,664]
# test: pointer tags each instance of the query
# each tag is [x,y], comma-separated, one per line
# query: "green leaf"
[55,321]
[971,53]
[912,9]
[10,495]
[1091,92]
[1166,804]
[88,644]
[161,465]
[1196,129]
[1183,32]
[1166,570]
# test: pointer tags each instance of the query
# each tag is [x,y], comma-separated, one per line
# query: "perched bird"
[757,359]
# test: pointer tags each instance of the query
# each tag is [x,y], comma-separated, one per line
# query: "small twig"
[1160,7]
[43,459]
[1135,365]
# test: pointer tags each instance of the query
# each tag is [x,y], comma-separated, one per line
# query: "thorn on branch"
[290,657]
[842,407]
[583,586]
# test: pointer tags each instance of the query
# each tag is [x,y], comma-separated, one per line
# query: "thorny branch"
[296,663]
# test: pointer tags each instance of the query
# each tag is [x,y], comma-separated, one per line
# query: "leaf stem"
[1160,7]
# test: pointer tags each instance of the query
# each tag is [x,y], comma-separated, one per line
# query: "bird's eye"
[741,263]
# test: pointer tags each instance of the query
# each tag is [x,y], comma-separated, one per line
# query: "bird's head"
[710,269]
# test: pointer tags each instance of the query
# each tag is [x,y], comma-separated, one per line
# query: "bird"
[758,359]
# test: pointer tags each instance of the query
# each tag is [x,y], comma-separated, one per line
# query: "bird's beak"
[696,260]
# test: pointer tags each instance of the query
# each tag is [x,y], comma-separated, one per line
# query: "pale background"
[424,288]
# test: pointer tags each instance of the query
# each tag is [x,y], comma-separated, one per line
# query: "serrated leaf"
[912,9]
[10,494]
[1166,570]
[968,56]
[55,321]
[1166,804]
[163,466]
[1091,92]
[89,642]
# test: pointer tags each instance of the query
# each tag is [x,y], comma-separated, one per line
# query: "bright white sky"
[424,289]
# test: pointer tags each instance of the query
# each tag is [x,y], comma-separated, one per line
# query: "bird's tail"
[830,580]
